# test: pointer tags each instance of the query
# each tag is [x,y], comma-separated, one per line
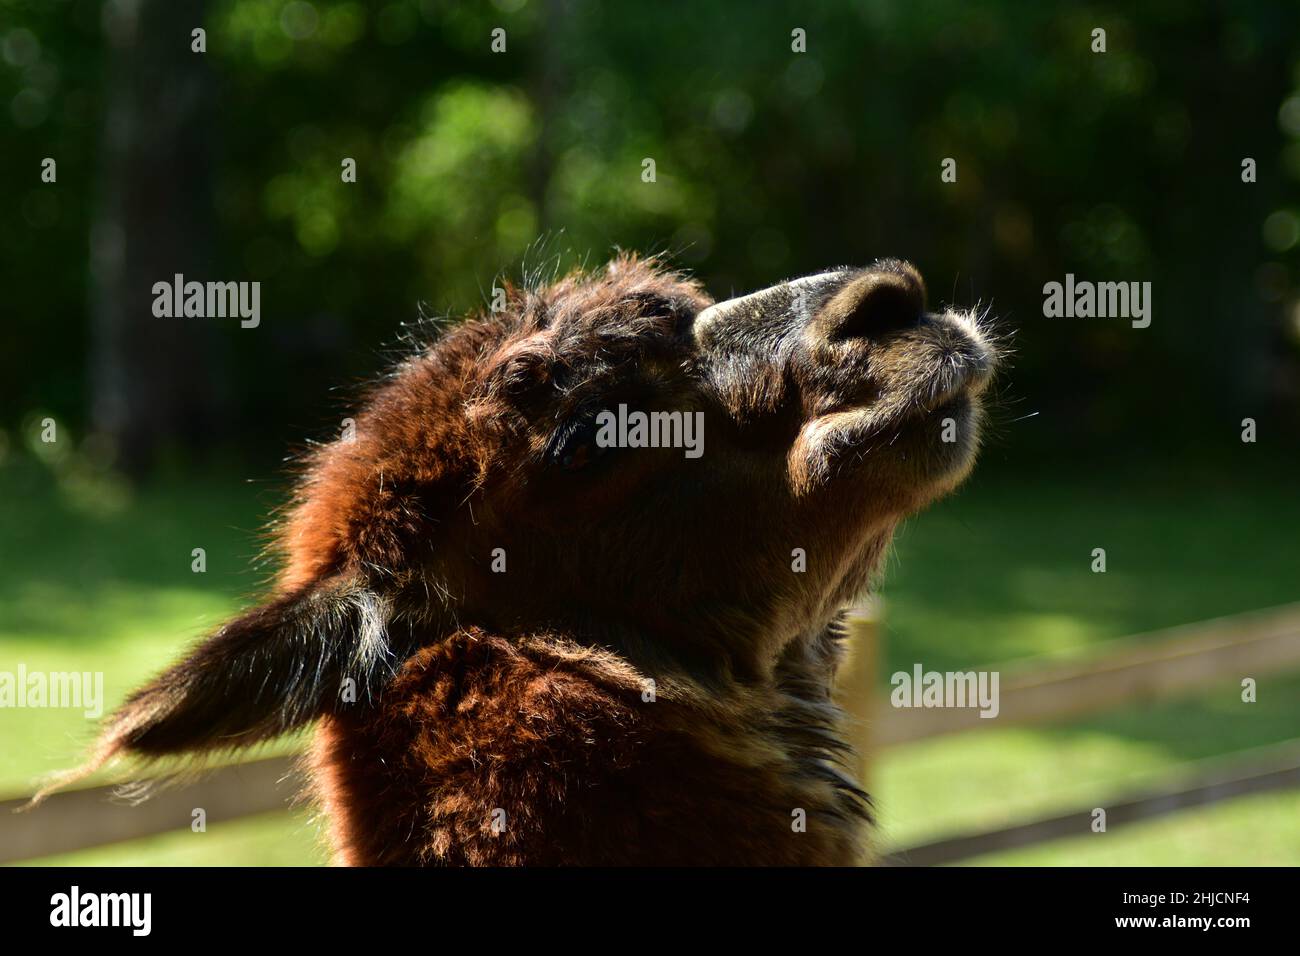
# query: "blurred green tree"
[769,162]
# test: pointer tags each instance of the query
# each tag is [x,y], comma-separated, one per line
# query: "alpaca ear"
[272,669]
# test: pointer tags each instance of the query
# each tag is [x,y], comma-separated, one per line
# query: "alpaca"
[523,646]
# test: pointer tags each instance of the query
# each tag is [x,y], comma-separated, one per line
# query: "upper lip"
[960,376]
[968,378]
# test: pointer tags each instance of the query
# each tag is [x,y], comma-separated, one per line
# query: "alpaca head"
[488,482]
[503,468]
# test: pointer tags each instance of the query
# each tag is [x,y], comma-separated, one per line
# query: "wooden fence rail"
[1276,768]
[81,819]
[1128,671]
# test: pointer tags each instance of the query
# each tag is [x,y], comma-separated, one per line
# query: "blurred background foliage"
[1117,166]
[471,165]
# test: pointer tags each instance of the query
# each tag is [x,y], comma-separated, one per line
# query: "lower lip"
[958,403]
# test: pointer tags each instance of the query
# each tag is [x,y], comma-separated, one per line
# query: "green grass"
[99,580]
[271,839]
[996,778]
[1262,830]
[1003,569]
[1002,572]
[95,578]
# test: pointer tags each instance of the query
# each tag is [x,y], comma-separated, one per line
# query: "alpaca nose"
[838,305]
[768,315]
[885,298]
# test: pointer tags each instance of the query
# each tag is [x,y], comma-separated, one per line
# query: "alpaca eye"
[575,445]
[575,458]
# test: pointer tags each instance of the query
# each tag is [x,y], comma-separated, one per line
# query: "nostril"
[875,303]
